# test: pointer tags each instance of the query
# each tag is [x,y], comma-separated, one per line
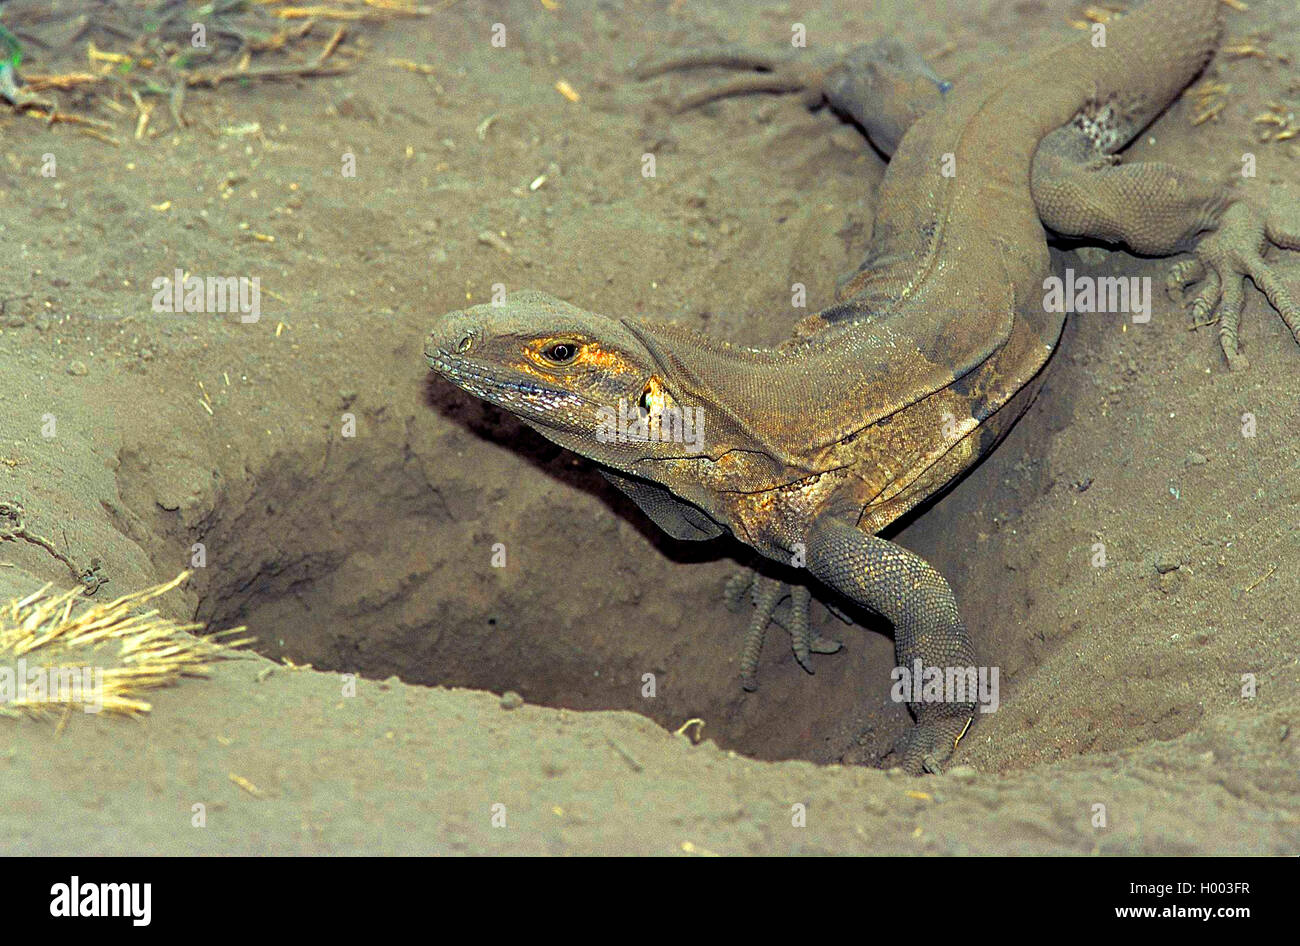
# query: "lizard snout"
[450,339]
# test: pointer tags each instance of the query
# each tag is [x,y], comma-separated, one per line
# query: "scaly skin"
[935,347]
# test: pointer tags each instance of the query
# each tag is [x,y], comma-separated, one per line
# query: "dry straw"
[130,652]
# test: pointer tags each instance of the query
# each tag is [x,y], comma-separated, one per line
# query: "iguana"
[933,348]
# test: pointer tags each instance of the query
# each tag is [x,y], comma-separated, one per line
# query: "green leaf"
[11,47]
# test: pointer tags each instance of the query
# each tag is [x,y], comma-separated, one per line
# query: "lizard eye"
[561,352]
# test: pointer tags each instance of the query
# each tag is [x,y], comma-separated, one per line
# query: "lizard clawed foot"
[772,74]
[767,594]
[1223,260]
[927,746]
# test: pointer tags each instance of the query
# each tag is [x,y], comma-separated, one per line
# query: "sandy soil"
[371,554]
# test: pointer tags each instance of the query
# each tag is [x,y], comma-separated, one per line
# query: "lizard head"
[581,379]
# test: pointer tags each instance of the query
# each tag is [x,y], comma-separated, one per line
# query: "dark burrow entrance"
[377,561]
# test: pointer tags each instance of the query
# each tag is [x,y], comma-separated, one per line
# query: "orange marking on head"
[590,355]
[594,355]
[530,366]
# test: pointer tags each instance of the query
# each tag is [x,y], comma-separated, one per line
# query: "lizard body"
[933,348]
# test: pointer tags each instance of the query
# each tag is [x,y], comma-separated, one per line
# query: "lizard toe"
[767,593]
[1182,274]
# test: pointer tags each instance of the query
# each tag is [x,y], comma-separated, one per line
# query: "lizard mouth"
[508,392]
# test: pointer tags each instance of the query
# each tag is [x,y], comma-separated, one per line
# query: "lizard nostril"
[465,344]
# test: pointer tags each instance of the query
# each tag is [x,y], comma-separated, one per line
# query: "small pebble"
[510,700]
[78,368]
[1168,563]
[488,238]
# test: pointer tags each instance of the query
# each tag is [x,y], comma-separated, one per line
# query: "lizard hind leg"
[884,86]
[771,73]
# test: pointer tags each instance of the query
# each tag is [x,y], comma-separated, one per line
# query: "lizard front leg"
[907,591]
[767,594]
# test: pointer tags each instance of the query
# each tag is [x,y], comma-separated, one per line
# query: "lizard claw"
[927,746]
[1224,259]
[767,594]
